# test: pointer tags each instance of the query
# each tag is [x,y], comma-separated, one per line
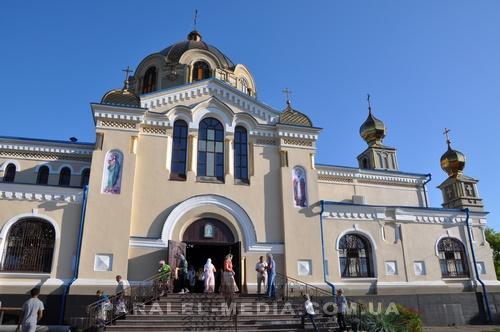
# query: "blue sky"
[427,64]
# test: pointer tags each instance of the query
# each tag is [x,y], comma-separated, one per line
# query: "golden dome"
[121,97]
[292,117]
[452,161]
[372,130]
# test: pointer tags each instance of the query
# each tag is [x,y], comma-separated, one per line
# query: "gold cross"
[287,93]
[127,72]
[369,103]
[446,131]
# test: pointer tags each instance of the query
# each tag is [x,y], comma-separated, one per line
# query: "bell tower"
[376,156]
[459,190]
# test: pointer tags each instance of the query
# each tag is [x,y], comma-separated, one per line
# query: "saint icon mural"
[111,180]
[299,187]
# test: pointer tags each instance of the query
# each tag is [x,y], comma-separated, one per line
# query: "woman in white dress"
[208,273]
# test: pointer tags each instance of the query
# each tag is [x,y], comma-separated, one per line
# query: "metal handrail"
[105,311]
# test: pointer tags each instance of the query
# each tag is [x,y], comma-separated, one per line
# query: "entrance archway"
[211,238]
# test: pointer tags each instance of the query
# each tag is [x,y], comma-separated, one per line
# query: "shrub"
[406,320]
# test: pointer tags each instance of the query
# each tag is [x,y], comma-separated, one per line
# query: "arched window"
[201,71]
[240,154]
[29,246]
[211,149]
[10,173]
[365,163]
[355,257]
[43,175]
[149,81]
[179,150]
[452,258]
[85,177]
[65,177]
[244,86]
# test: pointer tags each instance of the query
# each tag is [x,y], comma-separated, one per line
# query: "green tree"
[493,239]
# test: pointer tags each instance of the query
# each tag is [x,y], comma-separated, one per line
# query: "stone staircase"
[209,312]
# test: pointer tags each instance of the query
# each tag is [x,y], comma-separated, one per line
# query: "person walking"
[191,278]
[209,277]
[32,311]
[341,310]
[120,291]
[182,274]
[228,284]
[271,277]
[164,277]
[260,267]
[309,311]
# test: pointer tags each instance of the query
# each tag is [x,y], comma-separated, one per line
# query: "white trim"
[245,224]
[357,230]
[46,147]
[6,227]
[66,165]
[8,162]
[31,283]
[32,192]
[137,242]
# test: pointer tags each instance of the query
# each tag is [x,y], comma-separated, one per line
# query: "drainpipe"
[429,178]
[77,257]
[485,294]
[332,286]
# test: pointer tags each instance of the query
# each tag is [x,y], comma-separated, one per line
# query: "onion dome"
[289,116]
[372,130]
[121,97]
[452,161]
[194,40]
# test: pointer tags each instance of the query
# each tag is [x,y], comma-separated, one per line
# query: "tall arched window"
[452,258]
[29,246]
[65,177]
[201,71]
[10,173]
[149,81]
[240,154]
[179,150]
[43,175]
[211,149]
[355,257]
[85,177]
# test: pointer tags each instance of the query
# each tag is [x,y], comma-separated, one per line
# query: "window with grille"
[65,177]
[149,80]
[355,257]
[10,173]
[29,247]
[43,175]
[201,71]
[179,150]
[211,149]
[452,258]
[240,154]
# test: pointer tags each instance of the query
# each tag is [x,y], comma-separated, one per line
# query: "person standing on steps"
[32,311]
[191,278]
[164,277]
[260,267]
[209,277]
[309,311]
[341,310]
[228,284]
[182,274]
[271,277]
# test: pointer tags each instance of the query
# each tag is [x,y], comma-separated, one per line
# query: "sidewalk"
[466,328]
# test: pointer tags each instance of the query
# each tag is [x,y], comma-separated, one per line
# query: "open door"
[175,249]
[235,249]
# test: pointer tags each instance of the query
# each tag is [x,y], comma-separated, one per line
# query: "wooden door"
[175,249]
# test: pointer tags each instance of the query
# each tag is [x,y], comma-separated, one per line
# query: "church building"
[187,159]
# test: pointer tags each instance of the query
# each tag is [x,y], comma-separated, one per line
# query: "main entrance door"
[211,238]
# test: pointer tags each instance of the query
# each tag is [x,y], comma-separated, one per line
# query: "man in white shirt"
[32,311]
[260,267]
[309,311]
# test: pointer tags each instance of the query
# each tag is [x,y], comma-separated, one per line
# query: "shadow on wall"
[272,189]
[145,266]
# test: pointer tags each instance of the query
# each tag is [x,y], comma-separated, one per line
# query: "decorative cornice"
[353,212]
[28,192]
[325,173]
[120,116]
[166,99]
[36,147]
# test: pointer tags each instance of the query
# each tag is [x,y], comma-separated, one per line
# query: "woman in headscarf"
[208,274]
[228,284]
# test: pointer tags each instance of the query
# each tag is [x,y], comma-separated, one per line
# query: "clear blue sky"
[427,64]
